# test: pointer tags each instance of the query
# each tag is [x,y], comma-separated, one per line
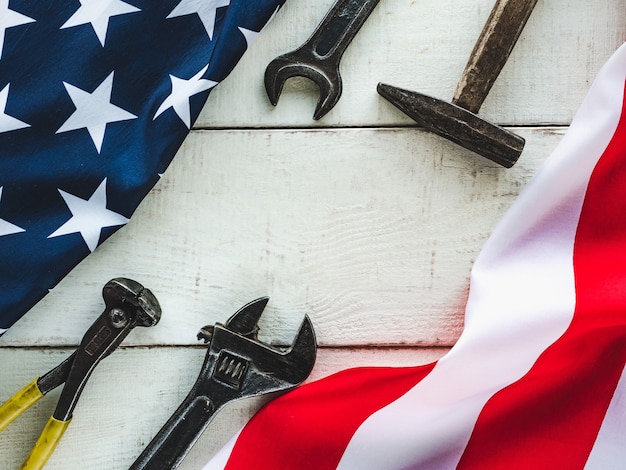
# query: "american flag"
[96,97]
[537,379]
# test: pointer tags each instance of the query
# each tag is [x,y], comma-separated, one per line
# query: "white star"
[94,111]
[89,217]
[8,123]
[182,90]
[7,228]
[8,19]
[205,9]
[249,35]
[98,13]
[272,17]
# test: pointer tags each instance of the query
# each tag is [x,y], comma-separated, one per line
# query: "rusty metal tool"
[128,304]
[237,365]
[318,58]
[458,121]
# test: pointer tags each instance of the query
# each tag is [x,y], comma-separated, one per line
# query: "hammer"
[458,121]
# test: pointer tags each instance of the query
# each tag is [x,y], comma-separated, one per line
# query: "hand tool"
[457,121]
[318,58]
[128,304]
[236,366]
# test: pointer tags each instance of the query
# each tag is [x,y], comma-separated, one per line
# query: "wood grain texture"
[491,51]
[424,46]
[360,220]
[132,393]
[372,232]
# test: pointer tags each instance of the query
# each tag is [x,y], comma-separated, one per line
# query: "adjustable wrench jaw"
[241,367]
[236,365]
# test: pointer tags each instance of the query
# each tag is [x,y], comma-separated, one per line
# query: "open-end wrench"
[318,58]
[237,365]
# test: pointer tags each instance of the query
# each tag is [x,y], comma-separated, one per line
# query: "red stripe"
[310,427]
[550,418]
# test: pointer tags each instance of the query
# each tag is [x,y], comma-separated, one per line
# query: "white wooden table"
[362,220]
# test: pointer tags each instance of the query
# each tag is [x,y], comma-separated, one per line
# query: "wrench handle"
[177,436]
[339,26]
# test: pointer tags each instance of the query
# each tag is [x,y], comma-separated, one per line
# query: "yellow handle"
[45,445]
[18,403]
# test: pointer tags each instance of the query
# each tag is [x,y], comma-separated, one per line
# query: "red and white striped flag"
[536,380]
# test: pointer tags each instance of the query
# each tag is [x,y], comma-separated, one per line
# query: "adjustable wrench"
[318,58]
[237,365]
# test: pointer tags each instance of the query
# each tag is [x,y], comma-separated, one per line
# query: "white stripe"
[3,330]
[609,450]
[521,300]
[219,461]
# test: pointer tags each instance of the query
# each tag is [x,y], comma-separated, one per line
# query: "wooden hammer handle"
[496,41]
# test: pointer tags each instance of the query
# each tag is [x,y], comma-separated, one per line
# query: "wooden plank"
[132,393]
[424,46]
[372,232]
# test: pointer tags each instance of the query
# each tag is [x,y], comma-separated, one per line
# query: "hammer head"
[457,124]
[242,366]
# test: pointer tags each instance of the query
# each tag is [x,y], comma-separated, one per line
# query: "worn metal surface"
[128,304]
[491,51]
[236,366]
[457,125]
[457,121]
[318,58]
[361,220]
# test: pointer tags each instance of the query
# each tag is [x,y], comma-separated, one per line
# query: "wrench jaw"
[276,74]
[325,76]
[236,365]
[242,367]
[302,353]
[273,370]
[318,58]
[245,321]
[329,96]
